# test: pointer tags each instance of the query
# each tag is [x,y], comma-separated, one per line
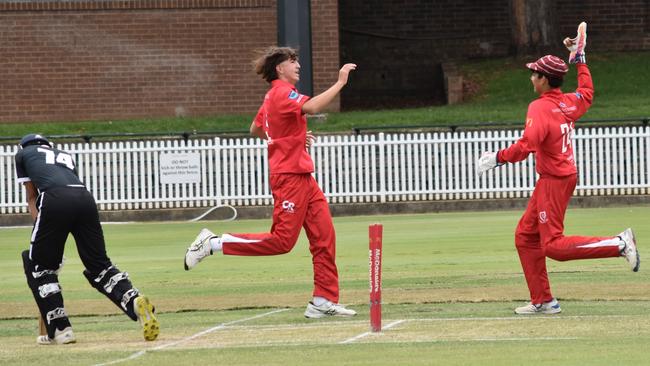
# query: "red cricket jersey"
[285,126]
[549,128]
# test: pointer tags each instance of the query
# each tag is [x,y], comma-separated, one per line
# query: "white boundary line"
[199,334]
[350,340]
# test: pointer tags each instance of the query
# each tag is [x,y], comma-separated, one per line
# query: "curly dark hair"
[270,58]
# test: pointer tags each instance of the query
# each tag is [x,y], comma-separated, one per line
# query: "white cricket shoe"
[199,249]
[551,307]
[327,309]
[145,312]
[64,336]
[630,252]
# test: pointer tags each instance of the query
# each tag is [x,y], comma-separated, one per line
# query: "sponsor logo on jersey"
[564,109]
[293,95]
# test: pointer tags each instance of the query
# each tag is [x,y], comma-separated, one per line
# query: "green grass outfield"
[451,281]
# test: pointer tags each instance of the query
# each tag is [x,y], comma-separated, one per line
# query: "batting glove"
[487,161]
[576,46]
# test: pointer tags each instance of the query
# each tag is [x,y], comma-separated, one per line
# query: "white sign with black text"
[180,168]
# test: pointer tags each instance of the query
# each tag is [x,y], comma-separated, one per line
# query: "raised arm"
[585,83]
[584,94]
[319,102]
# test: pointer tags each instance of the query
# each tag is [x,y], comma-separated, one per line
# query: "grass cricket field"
[450,283]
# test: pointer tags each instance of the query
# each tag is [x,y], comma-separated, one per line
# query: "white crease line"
[220,326]
[328,324]
[350,340]
[454,319]
[357,337]
[132,357]
[199,334]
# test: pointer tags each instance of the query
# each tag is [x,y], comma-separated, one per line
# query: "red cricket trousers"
[540,234]
[298,202]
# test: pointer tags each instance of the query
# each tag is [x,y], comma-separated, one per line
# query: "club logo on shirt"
[542,217]
[293,95]
[288,206]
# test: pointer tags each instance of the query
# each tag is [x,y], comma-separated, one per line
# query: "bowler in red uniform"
[298,200]
[547,134]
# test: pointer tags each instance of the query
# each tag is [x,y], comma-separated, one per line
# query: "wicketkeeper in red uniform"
[298,200]
[548,132]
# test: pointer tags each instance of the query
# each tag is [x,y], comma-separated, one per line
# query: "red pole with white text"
[375,232]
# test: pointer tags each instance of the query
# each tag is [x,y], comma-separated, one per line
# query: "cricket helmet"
[34,139]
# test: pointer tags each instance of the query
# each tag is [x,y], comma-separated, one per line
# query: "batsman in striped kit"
[547,134]
[298,200]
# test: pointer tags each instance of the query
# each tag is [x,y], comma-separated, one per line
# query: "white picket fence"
[365,168]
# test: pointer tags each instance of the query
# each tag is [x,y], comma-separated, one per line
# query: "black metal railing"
[453,127]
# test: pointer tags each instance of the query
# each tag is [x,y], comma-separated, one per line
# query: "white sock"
[621,245]
[216,244]
[318,301]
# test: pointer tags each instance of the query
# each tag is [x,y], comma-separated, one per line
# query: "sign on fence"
[180,168]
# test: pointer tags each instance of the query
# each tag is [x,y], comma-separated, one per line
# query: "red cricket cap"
[549,65]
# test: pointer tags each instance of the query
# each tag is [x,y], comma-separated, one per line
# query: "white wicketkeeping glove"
[487,161]
[576,46]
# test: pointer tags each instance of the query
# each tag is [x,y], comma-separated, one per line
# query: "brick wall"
[325,47]
[99,60]
[612,24]
[400,45]
[71,60]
